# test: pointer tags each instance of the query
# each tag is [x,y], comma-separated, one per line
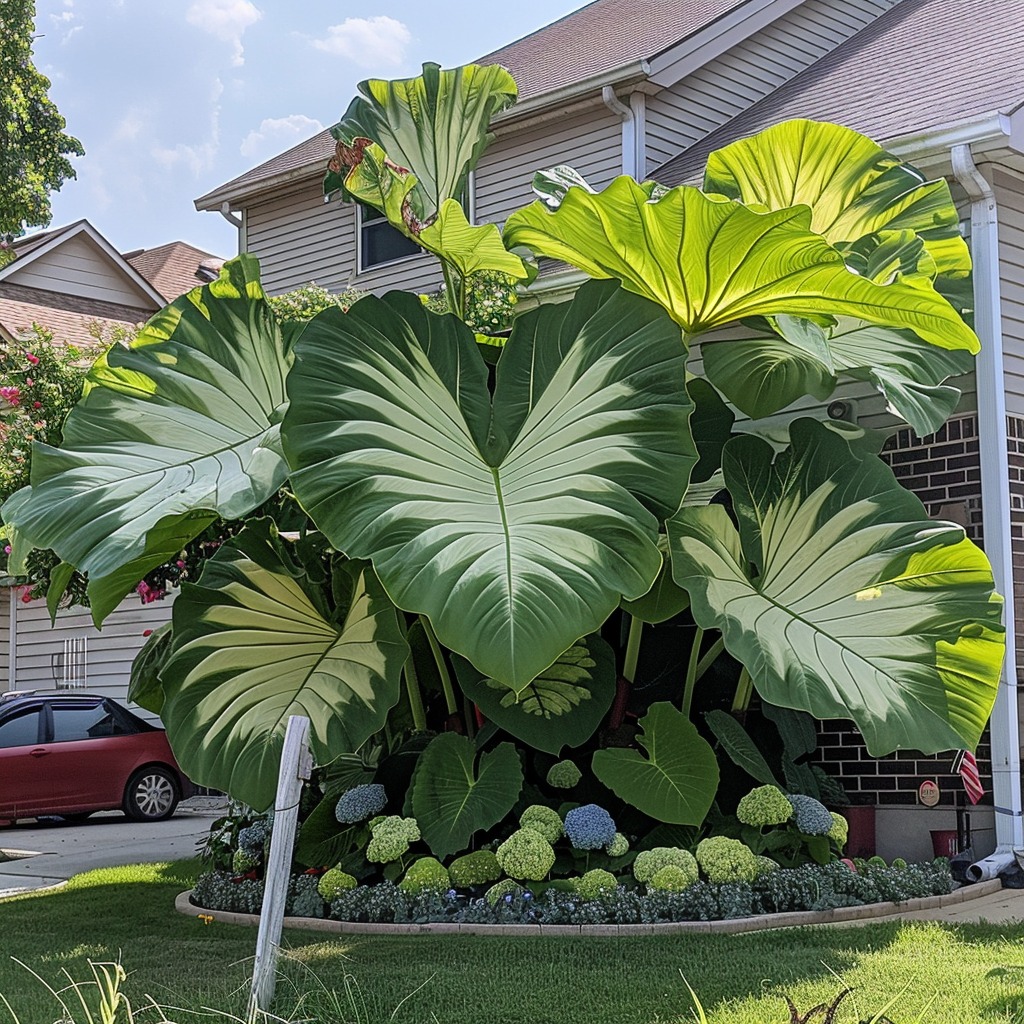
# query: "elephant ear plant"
[483,530]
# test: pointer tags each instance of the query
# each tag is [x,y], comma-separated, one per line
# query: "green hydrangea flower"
[726,860]
[244,861]
[840,829]
[427,874]
[594,883]
[474,869]
[765,866]
[333,883]
[564,775]
[672,878]
[526,854]
[506,887]
[764,806]
[618,847]
[649,862]
[391,837]
[544,820]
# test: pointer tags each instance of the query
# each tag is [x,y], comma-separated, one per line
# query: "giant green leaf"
[144,686]
[764,371]
[256,641]
[434,125]
[853,187]
[174,430]
[677,780]
[515,525]
[841,597]
[563,706]
[455,794]
[740,746]
[710,262]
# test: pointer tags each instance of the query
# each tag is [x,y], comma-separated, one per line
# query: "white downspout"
[995,485]
[12,639]
[630,149]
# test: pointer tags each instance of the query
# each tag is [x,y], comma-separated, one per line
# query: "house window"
[379,242]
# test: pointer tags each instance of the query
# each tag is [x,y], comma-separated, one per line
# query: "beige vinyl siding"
[590,142]
[79,267]
[298,238]
[1010,201]
[110,650]
[701,102]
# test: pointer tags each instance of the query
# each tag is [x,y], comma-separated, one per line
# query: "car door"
[85,755]
[26,783]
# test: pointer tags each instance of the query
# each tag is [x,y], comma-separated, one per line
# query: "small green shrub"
[475,868]
[726,860]
[594,883]
[334,882]
[427,873]
[649,862]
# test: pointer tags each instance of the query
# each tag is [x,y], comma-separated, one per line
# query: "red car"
[71,755]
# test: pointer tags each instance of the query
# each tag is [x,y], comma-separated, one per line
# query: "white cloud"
[201,156]
[276,134]
[369,42]
[225,19]
[64,22]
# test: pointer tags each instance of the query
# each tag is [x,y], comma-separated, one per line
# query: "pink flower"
[29,382]
[7,549]
[34,360]
[11,395]
[37,405]
[147,632]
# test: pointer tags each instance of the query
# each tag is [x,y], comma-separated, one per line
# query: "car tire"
[151,794]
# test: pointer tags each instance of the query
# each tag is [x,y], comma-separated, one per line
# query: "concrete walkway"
[58,849]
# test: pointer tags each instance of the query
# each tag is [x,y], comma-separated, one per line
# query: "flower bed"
[806,888]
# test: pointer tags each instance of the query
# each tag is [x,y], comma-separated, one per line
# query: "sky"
[171,98]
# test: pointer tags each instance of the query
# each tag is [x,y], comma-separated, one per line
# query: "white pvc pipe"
[990,867]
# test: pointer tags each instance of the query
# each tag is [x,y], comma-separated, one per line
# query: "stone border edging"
[730,926]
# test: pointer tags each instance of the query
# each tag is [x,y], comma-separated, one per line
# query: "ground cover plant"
[526,583]
[962,974]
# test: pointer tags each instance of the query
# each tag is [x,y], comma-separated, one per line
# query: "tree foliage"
[34,148]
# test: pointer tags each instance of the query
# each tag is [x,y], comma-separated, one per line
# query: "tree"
[34,149]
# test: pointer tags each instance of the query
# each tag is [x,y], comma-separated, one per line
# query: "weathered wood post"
[296,766]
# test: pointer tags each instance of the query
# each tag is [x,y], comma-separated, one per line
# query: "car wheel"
[151,794]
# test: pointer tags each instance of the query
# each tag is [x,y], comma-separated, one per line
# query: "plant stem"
[744,691]
[454,291]
[412,686]
[442,667]
[709,659]
[636,628]
[691,671]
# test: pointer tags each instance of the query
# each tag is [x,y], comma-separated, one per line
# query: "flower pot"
[860,841]
[944,842]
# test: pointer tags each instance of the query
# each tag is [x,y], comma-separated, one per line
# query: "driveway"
[61,849]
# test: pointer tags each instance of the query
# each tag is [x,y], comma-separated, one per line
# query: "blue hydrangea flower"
[589,827]
[252,837]
[360,803]
[812,817]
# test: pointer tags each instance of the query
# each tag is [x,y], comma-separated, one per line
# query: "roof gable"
[922,65]
[171,268]
[78,260]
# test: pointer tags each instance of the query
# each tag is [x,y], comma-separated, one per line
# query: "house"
[73,282]
[648,88]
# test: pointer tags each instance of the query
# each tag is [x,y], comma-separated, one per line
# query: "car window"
[21,730]
[83,723]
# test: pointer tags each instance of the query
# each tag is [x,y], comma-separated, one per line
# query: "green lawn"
[974,973]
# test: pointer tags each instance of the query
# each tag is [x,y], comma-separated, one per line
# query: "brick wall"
[944,470]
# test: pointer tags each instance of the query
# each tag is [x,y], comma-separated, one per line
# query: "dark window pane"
[20,731]
[83,723]
[381,243]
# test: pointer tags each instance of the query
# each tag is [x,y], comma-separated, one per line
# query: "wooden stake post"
[296,766]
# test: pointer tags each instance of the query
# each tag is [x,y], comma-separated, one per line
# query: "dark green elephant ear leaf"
[176,429]
[455,793]
[256,641]
[841,597]
[738,744]
[516,525]
[563,706]
[144,686]
[676,782]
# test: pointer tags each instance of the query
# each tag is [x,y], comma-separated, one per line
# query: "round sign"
[928,791]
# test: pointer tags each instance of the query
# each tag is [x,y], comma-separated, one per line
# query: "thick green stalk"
[636,628]
[442,666]
[709,659]
[412,686]
[691,672]
[744,691]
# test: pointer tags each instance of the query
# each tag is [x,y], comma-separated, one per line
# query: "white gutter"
[629,132]
[995,486]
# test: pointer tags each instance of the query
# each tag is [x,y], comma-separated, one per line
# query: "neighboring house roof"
[73,326]
[602,37]
[172,268]
[923,65]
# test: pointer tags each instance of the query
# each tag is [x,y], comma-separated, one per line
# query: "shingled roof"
[923,65]
[602,37]
[171,268]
